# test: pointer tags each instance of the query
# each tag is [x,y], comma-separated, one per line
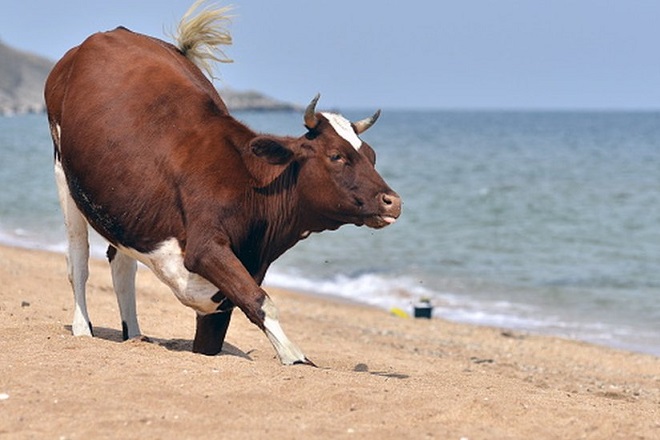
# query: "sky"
[413,54]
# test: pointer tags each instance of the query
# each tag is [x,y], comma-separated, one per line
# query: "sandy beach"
[378,376]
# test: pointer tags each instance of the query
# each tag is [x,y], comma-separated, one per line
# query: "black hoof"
[306,362]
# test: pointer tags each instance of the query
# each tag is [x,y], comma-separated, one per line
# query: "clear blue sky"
[594,54]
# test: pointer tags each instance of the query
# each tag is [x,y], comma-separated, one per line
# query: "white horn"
[364,124]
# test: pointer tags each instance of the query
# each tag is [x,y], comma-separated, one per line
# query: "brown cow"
[148,155]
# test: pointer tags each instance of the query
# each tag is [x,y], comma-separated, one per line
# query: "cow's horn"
[364,124]
[310,113]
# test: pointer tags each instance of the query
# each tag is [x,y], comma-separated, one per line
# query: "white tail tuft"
[200,33]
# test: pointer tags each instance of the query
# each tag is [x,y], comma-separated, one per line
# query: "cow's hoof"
[306,362]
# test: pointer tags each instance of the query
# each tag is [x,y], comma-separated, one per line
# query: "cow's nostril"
[390,204]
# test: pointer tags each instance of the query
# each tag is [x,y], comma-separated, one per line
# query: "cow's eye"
[336,157]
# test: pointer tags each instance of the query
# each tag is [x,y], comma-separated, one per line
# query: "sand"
[378,376]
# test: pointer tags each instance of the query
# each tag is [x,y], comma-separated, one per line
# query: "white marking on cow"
[77,253]
[344,129]
[166,262]
[287,351]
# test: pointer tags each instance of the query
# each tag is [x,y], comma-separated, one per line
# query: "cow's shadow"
[181,345]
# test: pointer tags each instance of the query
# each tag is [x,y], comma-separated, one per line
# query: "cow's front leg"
[210,332]
[218,264]
[288,353]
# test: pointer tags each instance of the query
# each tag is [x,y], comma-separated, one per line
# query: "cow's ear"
[271,149]
[266,158]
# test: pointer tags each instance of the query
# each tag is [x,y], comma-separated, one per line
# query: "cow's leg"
[287,351]
[213,313]
[123,270]
[210,332]
[262,311]
[219,265]
[77,253]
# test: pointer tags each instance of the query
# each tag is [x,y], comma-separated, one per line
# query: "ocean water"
[543,222]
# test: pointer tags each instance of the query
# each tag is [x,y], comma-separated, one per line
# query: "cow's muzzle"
[389,211]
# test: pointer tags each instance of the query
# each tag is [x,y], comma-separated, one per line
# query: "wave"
[401,291]
[23,239]
[18,237]
[369,288]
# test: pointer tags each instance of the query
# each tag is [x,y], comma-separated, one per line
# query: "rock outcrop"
[22,77]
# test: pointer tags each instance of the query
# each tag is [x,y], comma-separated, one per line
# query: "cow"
[147,153]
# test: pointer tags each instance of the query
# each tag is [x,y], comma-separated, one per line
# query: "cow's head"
[337,181]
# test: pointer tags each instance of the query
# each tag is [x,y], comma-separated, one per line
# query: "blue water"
[547,222]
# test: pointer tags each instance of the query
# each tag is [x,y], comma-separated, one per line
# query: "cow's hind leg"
[77,253]
[123,270]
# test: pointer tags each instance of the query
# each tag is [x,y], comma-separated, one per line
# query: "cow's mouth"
[379,221]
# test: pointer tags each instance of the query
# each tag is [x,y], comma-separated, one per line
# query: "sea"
[542,222]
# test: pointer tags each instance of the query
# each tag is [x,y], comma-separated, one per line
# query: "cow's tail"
[201,32]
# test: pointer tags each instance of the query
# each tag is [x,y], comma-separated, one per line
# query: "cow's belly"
[166,262]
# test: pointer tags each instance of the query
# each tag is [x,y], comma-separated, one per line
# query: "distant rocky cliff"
[22,78]
[251,100]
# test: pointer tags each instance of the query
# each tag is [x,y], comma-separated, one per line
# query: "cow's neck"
[275,225]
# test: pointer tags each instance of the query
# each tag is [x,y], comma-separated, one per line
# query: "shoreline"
[618,344]
[378,376]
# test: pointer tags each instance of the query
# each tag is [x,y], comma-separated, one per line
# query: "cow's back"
[136,117]
[125,72]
